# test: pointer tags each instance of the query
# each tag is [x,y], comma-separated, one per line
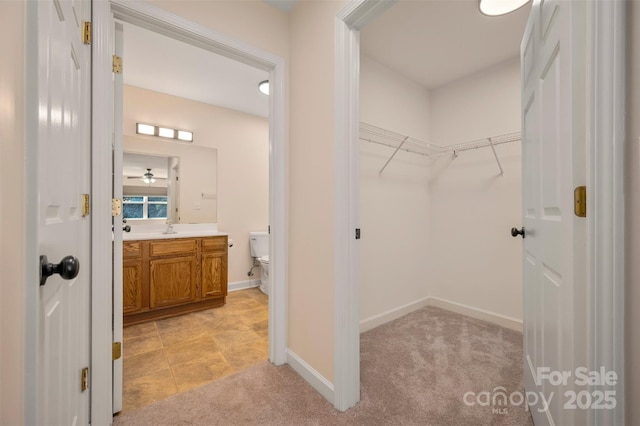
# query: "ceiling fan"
[147,177]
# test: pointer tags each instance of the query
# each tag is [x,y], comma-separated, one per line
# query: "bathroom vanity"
[173,274]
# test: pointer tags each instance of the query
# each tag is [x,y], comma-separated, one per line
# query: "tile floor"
[165,357]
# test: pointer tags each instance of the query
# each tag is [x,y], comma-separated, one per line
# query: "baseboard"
[311,376]
[481,314]
[393,314]
[242,285]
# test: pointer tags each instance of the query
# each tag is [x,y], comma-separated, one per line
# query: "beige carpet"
[414,371]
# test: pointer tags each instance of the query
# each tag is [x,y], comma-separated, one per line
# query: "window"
[144,207]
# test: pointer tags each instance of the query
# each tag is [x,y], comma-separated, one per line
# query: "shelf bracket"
[393,155]
[493,148]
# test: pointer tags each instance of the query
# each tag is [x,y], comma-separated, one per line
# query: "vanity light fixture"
[263,86]
[164,132]
[145,129]
[185,136]
[500,7]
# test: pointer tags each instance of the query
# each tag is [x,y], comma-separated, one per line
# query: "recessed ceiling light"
[500,7]
[263,86]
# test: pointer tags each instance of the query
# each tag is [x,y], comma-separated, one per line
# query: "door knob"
[126,228]
[515,232]
[68,268]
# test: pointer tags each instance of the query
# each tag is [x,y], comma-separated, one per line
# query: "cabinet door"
[172,281]
[131,286]
[214,274]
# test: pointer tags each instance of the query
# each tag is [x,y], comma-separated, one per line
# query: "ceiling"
[137,165]
[434,42]
[431,42]
[284,5]
[156,62]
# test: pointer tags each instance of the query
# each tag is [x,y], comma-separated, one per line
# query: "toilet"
[259,243]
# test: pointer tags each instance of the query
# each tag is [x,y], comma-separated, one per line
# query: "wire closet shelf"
[398,142]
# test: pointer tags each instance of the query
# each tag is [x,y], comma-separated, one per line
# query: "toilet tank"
[259,243]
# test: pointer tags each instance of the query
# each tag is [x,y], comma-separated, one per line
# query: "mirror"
[169,180]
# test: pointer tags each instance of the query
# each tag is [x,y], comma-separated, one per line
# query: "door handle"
[515,232]
[68,268]
[126,228]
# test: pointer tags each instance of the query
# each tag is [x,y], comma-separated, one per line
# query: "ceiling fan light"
[500,7]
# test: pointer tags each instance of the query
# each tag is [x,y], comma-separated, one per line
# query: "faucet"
[169,229]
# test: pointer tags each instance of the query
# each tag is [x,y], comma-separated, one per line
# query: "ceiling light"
[500,7]
[264,87]
[165,132]
[185,136]
[145,129]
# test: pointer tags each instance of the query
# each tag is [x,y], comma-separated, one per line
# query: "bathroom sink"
[181,230]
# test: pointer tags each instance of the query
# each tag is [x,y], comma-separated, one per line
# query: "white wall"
[632,234]
[474,260]
[242,144]
[12,213]
[394,205]
[311,182]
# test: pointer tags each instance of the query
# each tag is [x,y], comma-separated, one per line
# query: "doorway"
[354,18]
[223,181]
[153,18]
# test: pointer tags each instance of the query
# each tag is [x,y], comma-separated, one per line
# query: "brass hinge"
[84,380]
[86,32]
[117,64]
[116,207]
[85,205]
[580,201]
[116,350]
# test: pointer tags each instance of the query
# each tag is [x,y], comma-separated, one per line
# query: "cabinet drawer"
[214,244]
[163,248]
[131,249]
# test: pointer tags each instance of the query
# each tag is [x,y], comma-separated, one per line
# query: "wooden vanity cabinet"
[214,268]
[168,277]
[131,277]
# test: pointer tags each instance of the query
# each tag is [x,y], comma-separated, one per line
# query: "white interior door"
[552,71]
[117,220]
[63,348]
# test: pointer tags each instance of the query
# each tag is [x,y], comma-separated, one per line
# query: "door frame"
[605,215]
[153,18]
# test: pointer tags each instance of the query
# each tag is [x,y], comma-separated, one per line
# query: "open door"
[553,148]
[117,220]
[64,221]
